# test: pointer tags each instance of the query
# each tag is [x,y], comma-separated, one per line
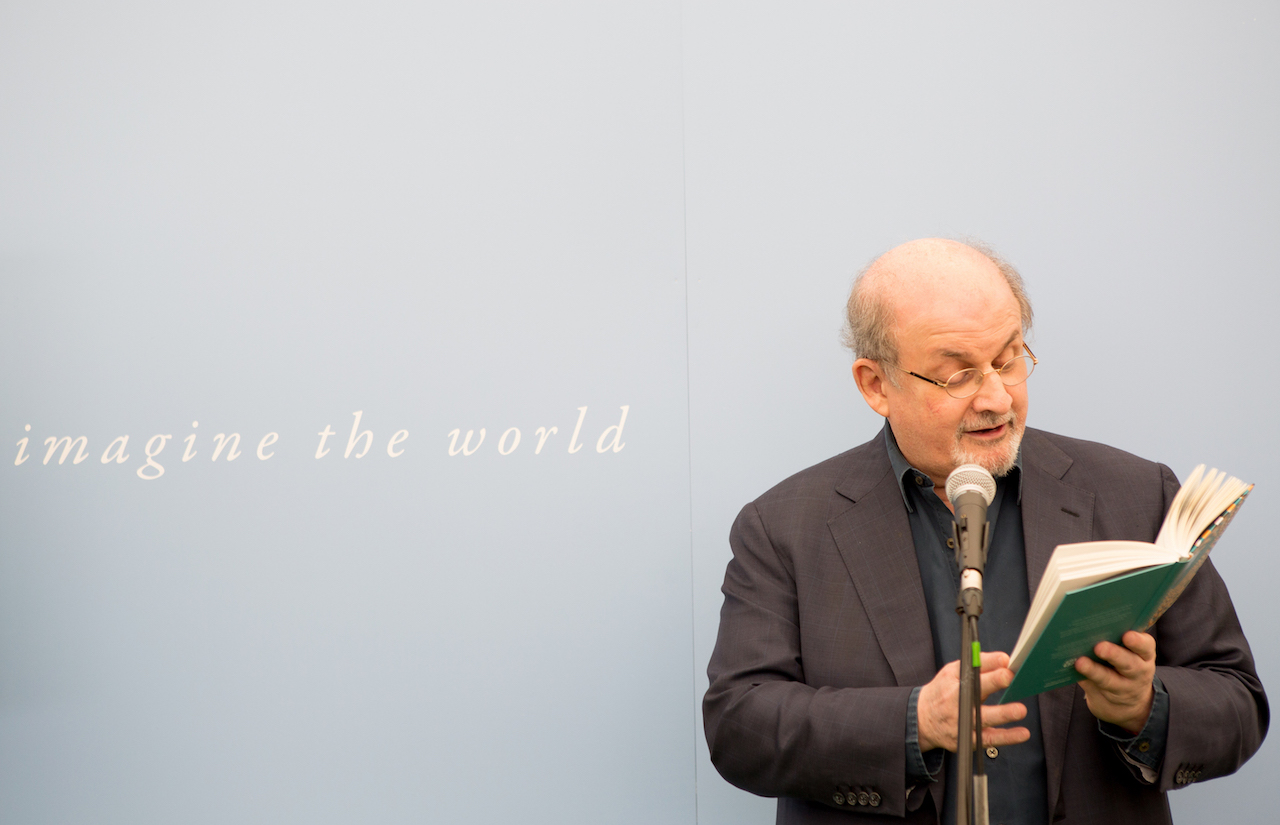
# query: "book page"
[1198,554]
[1197,505]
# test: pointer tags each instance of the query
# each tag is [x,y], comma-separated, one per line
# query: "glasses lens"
[1017,370]
[964,383]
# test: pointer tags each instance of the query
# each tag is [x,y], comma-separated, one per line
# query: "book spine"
[1160,600]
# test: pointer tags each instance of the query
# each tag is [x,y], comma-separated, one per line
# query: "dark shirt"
[1017,788]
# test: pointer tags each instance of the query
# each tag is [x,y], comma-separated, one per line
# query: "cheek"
[1020,401]
[945,416]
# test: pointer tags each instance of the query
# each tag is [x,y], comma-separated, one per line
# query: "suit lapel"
[1053,513]
[874,540]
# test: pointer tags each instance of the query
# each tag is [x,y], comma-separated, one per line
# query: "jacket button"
[864,798]
[993,752]
[875,799]
[837,798]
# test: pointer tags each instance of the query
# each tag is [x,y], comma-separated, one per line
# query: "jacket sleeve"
[771,733]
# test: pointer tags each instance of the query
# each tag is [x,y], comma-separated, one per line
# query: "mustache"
[988,420]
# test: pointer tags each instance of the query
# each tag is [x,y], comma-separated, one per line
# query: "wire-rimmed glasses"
[967,382]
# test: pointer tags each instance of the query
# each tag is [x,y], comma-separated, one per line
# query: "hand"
[1121,694]
[938,707]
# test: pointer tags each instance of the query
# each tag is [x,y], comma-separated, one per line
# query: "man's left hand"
[1121,694]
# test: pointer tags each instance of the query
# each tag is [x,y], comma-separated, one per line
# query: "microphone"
[971,489]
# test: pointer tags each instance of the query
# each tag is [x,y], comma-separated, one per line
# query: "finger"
[995,680]
[1109,682]
[1004,736]
[1100,675]
[1127,663]
[1003,714]
[1142,644]
[1118,657]
[992,660]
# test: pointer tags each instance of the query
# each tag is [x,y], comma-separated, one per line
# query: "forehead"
[960,336]
[960,310]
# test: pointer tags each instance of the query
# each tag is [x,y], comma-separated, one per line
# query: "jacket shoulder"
[1078,458]
[1133,493]
[842,477]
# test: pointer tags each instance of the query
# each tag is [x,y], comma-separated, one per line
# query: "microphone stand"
[971,795]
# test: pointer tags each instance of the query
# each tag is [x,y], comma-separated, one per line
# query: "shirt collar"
[902,468]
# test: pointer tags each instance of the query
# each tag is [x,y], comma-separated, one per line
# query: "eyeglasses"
[967,382]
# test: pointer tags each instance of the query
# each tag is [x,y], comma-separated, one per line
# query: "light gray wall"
[266,217]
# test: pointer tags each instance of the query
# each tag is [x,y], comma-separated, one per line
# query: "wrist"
[1138,721]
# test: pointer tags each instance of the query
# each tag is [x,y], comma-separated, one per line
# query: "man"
[834,680]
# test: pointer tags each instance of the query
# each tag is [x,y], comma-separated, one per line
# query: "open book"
[1098,590]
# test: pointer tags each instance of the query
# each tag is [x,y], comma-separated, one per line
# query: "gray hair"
[868,329]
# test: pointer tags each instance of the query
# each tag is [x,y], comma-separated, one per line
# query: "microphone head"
[970,478]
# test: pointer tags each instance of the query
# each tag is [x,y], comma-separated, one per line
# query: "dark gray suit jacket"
[824,632]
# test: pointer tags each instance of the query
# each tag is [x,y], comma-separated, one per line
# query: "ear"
[872,383]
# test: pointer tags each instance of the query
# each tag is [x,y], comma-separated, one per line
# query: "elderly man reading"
[833,681]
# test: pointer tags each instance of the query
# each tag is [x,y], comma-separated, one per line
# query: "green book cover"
[1106,610]
[1102,611]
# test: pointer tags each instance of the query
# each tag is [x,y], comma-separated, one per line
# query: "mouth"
[989,433]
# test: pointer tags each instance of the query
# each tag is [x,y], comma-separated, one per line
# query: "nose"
[992,395]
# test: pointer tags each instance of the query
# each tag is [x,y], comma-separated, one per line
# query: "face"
[942,329]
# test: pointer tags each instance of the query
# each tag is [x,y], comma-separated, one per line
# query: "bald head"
[914,278]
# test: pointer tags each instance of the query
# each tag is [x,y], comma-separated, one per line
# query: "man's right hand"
[937,707]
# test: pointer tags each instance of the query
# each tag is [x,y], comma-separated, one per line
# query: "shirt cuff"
[921,767]
[1145,751]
